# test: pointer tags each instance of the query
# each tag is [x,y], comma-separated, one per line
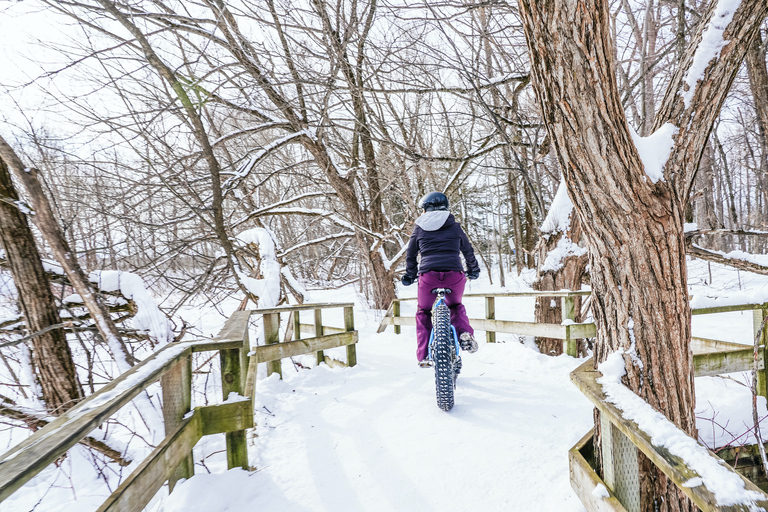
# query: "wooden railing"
[621,437]
[325,337]
[568,331]
[172,459]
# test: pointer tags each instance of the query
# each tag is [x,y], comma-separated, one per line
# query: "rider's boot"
[467,342]
[426,363]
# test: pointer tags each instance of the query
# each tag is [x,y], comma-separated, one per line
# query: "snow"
[559,216]
[149,318]
[564,248]
[600,491]
[655,149]
[712,43]
[267,289]
[371,437]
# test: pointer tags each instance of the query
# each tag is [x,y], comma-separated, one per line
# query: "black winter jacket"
[439,239]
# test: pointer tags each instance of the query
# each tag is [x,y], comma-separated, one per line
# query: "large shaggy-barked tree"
[633,215]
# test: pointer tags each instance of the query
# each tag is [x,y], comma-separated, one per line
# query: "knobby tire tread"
[444,378]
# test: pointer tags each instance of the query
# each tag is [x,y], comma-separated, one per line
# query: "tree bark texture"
[51,356]
[633,227]
[568,277]
[47,224]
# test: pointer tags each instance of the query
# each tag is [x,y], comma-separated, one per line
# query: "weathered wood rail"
[568,330]
[172,459]
[711,357]
[325,337]
[621,438]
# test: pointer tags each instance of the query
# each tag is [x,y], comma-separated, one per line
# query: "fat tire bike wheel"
[443,355]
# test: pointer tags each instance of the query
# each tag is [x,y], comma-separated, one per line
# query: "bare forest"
[146,137]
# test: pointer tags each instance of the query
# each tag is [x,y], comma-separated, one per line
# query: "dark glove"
[407,280]
[473,274]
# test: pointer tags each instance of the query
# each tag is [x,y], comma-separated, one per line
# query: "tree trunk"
[51,357]
[633,226]
[47,224]
[569,276]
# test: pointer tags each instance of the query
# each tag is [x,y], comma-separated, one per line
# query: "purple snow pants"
[428,282]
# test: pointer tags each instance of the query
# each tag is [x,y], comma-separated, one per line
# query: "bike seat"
[444,291]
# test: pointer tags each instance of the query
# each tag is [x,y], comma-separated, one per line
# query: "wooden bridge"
[622,438]
[172,459]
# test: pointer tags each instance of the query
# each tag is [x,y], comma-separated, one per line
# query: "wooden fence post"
[762,376]
[319,332]
[296,325]
[490,314]
[396,313]
[271,336]
[349,325]
[176,387]
[570,347]
[232,382]
[620,467]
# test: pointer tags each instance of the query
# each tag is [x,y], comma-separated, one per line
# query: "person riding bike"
[439,239]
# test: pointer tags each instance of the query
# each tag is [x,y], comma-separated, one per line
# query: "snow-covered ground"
[371,437]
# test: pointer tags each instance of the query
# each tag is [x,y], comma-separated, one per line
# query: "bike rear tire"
[441,354]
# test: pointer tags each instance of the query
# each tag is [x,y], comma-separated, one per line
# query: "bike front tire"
[441,354]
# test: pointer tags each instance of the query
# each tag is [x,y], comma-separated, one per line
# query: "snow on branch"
[335,236]
[248,166]
[712,43]
[559,216]
[149,317]
[248,130]
[266,288]
[654,150]
[268,209]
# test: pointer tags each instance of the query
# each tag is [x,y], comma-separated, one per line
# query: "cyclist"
[439,239]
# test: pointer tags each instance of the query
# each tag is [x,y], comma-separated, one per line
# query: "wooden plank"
[585,378]
[176,386]
[560,293]
[226,417]
[232,382]
[310,329]
[210,345]
[141,486]
[349,325]
[35,453]
[490,314]
[584,479]
[388,314]
[272,336]
[586,330]
[236,326]
[396,313]
[303,307]
[761,379]
[706,345]
[319,333]
[524,328]
[728,309]
[570,345]
[730,361]
[266,353]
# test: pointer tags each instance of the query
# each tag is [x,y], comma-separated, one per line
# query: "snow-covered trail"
[371,438]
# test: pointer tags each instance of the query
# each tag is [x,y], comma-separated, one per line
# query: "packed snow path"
[371,438]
